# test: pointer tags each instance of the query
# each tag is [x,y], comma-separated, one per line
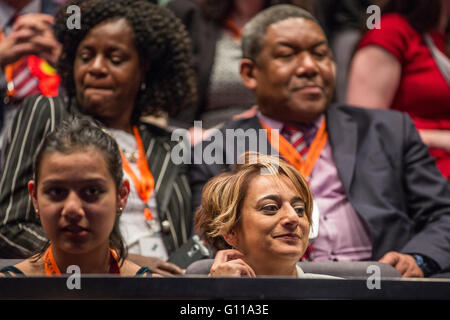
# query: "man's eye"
[285,55]
[320,54]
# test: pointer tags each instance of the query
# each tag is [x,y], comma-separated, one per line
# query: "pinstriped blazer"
[20,231]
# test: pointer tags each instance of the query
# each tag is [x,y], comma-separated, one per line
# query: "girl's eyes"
[92,191]
[91,194]
[56,193]
[88,194]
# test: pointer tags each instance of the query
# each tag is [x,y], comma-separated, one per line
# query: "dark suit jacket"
[20,230]
[388,177]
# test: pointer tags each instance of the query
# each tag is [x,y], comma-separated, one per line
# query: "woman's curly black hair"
[162,43]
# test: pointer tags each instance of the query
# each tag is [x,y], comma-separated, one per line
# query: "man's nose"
[306,65]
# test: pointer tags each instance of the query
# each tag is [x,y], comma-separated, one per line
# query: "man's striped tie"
[296,137]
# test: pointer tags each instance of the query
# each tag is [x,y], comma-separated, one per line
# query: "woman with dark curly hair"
[129,59]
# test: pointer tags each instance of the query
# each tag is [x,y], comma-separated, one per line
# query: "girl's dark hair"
[78,134]
[423,15]
[162,43]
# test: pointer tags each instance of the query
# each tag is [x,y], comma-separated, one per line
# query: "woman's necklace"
[131,156]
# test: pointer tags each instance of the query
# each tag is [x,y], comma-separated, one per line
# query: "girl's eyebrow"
[64,181]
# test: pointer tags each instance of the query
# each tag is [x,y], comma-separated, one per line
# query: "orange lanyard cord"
[144,185]
[291,155]
[52,269]
[234,29]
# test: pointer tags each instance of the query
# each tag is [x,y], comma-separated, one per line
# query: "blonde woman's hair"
[223,196]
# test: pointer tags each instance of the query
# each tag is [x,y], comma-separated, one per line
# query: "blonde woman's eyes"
[300,210]
[271,208]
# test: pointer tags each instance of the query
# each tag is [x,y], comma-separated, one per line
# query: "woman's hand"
[229,263]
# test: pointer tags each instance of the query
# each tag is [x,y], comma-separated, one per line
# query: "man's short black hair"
[255,30]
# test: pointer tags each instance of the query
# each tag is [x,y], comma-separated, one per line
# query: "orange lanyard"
[234,29]
[52,269]
[145,185]
[304,166]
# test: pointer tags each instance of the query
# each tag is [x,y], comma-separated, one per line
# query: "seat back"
[343,269]
[9,262]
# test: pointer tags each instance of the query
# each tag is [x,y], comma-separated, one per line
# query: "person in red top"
[404,65]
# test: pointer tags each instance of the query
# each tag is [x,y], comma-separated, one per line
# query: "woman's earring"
[143,86]
[120,210]
[37,213]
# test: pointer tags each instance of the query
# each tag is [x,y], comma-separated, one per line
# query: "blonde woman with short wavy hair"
[257,217]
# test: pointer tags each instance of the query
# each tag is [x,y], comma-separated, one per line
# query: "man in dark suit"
[379,193]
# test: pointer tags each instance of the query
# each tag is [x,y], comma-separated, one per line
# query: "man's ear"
[247,70]
[232,239]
